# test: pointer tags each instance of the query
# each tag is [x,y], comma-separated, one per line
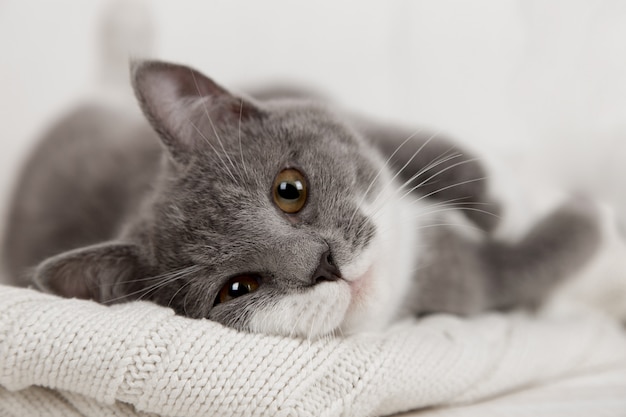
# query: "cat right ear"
[100,272]
[181,102]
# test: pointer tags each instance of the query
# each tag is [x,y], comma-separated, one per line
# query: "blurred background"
[538,85]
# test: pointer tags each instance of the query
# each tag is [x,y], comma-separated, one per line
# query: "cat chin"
[314,313]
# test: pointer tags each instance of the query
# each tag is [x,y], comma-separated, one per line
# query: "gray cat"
[272,215]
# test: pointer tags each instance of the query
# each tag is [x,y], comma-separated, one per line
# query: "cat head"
[267,216]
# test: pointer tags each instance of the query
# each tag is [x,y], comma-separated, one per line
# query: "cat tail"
[526,273]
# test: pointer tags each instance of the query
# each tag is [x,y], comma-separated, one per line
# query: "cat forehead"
[312,131]
[302,119]
[289,132]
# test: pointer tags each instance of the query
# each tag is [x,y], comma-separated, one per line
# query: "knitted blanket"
[62,357]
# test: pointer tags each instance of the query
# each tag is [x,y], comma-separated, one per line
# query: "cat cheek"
[361,288]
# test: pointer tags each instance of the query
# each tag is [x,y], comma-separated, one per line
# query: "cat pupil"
[237,289]
[289,191]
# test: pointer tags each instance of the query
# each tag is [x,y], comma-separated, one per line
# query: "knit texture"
[62,357]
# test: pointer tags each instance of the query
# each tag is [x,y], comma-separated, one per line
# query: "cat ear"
[98,272]
[179,101]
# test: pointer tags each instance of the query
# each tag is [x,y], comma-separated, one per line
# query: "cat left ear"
[176,99]
[100,272]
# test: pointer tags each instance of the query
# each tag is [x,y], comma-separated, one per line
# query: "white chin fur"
[315,312]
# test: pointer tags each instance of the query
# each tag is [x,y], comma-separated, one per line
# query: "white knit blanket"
[61,357]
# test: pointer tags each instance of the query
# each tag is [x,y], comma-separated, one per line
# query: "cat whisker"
[198,292]
[441,171]
[378,209]
[436,162]
[380,171]
[457,204]
[458,184]
[442,159]
[295,324]
[206,111]
[413,157]
[169,303]
[310,332]
[153,277]
[164,283]
[243,163]
[457,201]
[214,150]
[452,203]
[415,154]
[445,209]
[469,226]
[185,304]
[164,280]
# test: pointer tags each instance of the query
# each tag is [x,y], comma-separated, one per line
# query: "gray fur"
[78,186]
[496,275]
[172,224]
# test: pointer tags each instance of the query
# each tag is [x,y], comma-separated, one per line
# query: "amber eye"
[290,190]
[237,287]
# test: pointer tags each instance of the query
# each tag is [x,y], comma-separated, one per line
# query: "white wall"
[537,80]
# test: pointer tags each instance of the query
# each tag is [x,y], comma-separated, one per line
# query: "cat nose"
[326,270]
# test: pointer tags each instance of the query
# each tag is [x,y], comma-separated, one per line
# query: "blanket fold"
[77,357]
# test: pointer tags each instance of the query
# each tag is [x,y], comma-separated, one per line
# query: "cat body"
[279,216]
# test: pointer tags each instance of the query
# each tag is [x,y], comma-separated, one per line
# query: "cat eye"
[290,190]
[238,286]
